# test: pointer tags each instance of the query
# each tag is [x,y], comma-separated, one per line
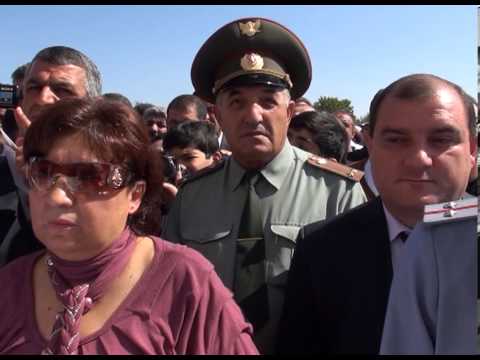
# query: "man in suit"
[422,149]
[252,69]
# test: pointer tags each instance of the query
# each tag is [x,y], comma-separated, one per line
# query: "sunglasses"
[86,178]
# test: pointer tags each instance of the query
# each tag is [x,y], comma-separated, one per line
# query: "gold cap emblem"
[251,61]
[249,28]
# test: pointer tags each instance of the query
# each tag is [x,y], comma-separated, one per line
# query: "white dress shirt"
[394,229]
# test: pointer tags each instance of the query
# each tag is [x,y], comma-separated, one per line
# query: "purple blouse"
[179,306]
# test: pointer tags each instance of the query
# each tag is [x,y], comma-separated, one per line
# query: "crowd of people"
[238,219]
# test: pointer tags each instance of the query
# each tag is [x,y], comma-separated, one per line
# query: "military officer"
[244,215]
[432,303]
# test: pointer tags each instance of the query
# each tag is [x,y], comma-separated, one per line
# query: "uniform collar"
[274,172]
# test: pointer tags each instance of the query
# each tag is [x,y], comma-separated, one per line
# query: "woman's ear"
[136,196]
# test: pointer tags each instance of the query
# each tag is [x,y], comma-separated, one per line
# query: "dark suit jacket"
[338,285]
[24,241]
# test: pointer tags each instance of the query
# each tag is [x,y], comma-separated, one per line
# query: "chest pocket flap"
[289,232]
[205,234]
[280,252]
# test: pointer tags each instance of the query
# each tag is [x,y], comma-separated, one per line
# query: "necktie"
[250,282]
[403,236]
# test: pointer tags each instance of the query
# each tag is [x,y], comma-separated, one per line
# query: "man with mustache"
[54,73]
[244,215]
[422,148]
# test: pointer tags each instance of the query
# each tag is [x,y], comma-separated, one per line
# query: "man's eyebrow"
[447,130]
[393,131]
[57,82]
[61,82]
[33,80]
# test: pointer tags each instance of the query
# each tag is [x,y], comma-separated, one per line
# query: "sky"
[145,52]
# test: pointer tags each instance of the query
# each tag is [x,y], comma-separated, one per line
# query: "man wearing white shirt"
[422,148]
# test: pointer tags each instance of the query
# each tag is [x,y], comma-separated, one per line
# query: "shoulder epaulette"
[201,173]
[335,167]
[451,211]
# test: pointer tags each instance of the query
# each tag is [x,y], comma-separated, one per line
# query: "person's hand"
[169,193]
[23,122]
[226,152]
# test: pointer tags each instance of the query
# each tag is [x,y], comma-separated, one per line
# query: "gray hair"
[63,55]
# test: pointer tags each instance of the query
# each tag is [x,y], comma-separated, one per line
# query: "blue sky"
[145,52]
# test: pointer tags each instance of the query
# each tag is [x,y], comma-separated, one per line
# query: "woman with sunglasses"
[102,285]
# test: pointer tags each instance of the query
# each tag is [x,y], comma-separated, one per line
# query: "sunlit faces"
[421,152]
[157,127]
[347,121]
[78,226]
[46,83]
[301,107]
[303,139]
[255,121]
[176,116]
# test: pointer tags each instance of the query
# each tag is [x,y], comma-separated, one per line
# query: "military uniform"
[433,299]
[246,222]
[207,212]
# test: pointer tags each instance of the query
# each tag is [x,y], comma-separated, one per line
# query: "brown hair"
[419,86]
[114,133]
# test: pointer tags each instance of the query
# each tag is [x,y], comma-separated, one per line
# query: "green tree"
[332,104]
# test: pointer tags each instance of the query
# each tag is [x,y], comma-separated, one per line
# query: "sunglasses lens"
[40,172]
[88,178]
[91,177]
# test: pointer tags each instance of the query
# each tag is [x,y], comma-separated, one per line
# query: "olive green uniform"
[206,215]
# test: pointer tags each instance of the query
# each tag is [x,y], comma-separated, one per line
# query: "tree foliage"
[332,104]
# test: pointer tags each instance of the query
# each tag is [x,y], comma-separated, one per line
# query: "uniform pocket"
[205,235]
[287,232]
[280,249]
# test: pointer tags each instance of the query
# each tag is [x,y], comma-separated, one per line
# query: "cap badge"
[249,28]
[251,61]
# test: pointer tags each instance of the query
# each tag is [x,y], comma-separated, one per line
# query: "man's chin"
[255,156]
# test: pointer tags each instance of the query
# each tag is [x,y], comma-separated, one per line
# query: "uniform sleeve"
[297,332]
[351,198]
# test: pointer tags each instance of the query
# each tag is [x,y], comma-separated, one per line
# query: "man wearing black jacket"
[422,149]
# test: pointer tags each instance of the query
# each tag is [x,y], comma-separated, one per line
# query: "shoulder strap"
[336,168]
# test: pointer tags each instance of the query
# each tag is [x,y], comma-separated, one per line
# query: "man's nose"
[47,96]
[254,113]
[419,157]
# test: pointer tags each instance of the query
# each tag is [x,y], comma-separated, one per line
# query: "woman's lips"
[62,223]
